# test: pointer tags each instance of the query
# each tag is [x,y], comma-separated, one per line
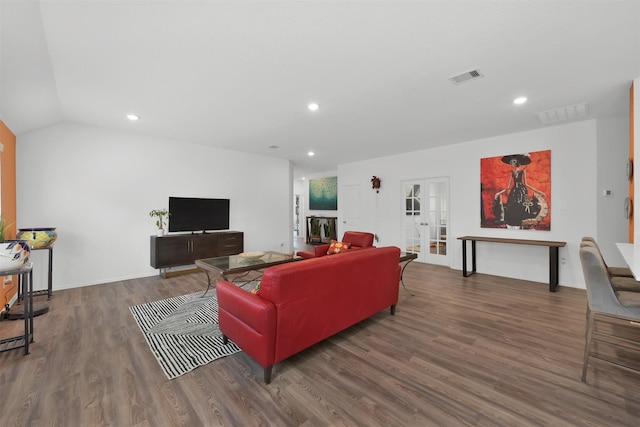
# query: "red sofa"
[358,240]
[302,303]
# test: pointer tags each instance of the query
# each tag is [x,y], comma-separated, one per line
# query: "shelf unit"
[25,277]
[324,237]
[184,249]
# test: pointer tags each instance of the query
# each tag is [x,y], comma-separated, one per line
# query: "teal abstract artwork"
[323,194]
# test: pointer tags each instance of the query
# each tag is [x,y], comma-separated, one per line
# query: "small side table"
[406,257]
[41,308]
[49,290]
[25,278]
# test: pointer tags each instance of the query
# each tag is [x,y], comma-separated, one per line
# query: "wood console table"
[553,254]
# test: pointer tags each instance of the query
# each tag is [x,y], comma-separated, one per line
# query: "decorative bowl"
[38,238]
[13,254]
[251,255]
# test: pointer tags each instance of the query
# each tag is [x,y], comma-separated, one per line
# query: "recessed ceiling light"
[520,100]
[133,117]
[313,106]
[310,153]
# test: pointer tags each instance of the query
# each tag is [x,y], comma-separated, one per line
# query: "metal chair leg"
[587,347]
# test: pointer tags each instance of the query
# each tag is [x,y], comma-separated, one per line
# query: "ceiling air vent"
[467,76]
[564,114]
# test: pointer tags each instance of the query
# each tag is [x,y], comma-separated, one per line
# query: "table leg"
[473,255]
[553,268]
[401,277]
[27,292]
[31,305]
[465,273]
[464,258]
[208,283]
[50,284]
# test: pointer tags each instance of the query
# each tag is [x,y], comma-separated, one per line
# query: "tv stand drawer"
[230,243]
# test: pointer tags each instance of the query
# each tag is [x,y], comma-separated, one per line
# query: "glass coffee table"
[225,266]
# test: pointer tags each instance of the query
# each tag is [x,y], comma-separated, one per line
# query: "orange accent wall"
[631,143]
[8,176]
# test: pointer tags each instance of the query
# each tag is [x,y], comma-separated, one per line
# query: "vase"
[38,238]
[13,254]
[160,232]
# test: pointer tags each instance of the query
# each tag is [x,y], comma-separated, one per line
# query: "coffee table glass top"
[236,263]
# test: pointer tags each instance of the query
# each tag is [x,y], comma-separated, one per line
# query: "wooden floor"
[477,351]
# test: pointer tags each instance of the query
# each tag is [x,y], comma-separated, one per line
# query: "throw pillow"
[337,247]
[256,288]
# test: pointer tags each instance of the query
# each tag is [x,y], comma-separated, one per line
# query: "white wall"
[97,187]
[613,152]
[574,205]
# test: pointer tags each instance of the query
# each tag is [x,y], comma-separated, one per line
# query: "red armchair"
[358,240]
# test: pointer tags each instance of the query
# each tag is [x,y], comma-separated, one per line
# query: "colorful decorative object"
[515,191]
[323,194]
[13,254]
[337,247]
[256,288]
[38,238]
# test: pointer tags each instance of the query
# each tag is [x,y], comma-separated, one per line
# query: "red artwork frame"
[515,191]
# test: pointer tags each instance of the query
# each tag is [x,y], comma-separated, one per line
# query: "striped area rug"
[182,332]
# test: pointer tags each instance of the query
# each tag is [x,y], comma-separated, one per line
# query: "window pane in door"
[412,230]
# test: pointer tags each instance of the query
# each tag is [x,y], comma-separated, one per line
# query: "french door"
[425,216]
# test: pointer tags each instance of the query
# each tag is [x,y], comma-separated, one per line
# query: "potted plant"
[160,214]
[3,229]
[13,253]
[328,231]
[315,230]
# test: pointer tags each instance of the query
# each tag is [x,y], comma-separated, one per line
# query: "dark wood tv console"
[183,249]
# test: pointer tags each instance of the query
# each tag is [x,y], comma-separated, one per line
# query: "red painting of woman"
[517,198]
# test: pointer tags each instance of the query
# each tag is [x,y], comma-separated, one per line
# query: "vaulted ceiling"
[239,74]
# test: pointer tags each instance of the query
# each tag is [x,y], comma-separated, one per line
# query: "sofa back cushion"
[319,297]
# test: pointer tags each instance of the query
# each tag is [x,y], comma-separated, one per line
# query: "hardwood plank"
[475,351]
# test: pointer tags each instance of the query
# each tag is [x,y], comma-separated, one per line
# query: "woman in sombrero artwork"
[523,202]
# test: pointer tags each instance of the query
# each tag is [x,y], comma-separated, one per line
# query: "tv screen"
[196,214]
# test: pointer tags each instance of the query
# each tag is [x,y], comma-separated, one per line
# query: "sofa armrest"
[248,320]
[306,254]
[321,250]
[318,251]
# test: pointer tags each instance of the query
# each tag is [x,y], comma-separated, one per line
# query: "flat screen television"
[198,215]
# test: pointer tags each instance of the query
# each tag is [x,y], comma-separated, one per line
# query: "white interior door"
[351,208]
[425,216]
